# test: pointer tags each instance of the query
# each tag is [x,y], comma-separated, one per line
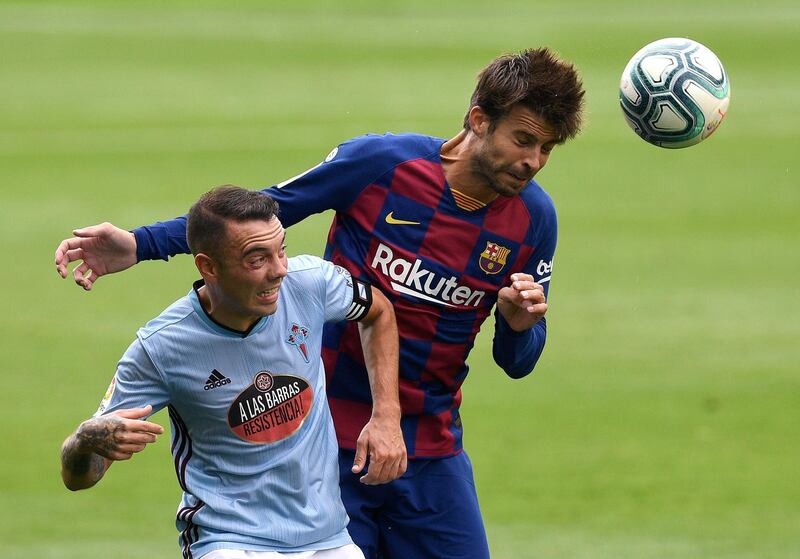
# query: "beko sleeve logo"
[544,269]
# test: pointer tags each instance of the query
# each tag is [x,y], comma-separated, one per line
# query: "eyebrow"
[536,138]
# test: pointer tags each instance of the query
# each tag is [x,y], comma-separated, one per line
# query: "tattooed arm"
[87,454]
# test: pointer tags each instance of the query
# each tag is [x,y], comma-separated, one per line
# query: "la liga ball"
[674,93]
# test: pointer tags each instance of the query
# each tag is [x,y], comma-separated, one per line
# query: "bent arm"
[332,184]
[87,454]
[380,343]
[80,467]
[382,437]
[517,352]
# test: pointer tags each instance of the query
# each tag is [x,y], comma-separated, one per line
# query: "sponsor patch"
[271,409]
[348,278]
[414,280]
[330,157]
[107,398]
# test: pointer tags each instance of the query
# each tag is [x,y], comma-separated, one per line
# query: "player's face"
[250,274]
[508,156]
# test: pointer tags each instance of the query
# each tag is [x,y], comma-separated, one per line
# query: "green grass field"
[664,416]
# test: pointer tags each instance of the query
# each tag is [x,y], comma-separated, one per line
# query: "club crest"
[297,337]
[493,258]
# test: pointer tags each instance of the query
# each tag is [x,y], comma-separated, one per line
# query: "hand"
[522,304]
[103,249]
[118,435]
[382,439]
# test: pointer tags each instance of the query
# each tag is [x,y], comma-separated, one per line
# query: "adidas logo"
[215,380]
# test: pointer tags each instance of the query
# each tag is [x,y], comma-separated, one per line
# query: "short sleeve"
[136,383]
[346,298]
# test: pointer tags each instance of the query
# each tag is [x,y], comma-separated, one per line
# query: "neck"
[220,314]
[456,155]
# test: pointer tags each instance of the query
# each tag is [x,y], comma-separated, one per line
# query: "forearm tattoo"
[99,434]
[83,453]
[80,464]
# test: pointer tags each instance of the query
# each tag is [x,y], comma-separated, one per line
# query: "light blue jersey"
[252,437]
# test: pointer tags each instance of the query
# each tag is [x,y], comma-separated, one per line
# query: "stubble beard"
[483,167]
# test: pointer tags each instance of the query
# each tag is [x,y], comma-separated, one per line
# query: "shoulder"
[173,317]
[304,264]
[390,148]
[538,202]
[306,272]
[303,273]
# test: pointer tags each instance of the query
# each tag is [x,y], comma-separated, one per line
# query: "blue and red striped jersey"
[397,226]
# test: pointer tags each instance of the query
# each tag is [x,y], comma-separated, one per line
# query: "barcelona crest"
[493,258]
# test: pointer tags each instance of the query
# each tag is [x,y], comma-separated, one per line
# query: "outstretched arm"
[87,454]
[381,437]
[332,184]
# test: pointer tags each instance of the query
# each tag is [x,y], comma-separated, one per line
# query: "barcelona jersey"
[397,226]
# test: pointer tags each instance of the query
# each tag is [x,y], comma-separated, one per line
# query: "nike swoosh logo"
[391,220]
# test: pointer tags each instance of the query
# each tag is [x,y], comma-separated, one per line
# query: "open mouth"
[268,293]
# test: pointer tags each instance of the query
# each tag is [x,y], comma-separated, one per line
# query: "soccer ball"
[674,93]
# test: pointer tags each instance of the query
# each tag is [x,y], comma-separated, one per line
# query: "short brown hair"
[205,224]
[537,79]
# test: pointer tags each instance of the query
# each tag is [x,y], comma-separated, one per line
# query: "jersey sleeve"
[346,297]
[518,352]
[336,182]
[333,184]
[136,383]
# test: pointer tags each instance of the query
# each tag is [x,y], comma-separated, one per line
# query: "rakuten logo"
[410,278]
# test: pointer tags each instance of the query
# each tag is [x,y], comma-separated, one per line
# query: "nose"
[277,268]
[534,159]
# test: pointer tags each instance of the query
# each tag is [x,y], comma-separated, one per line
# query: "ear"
[479,121]
[206,266]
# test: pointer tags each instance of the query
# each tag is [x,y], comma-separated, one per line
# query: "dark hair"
[205,224]
[537,79]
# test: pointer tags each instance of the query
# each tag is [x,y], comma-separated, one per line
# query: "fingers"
[527,293]
[375,474]
[84,276]
[521,277]
[387,461]
[134,413]
[361,454]
[134,437]
[138,437]
[69,250]
[93,230]
[117,455]
[123,452]
[125,444]
[384,469]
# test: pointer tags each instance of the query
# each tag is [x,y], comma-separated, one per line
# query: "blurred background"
[664,416]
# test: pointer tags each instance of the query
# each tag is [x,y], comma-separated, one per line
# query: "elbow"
[517,368]
[519,371]
[72,487]
[74,484]
[78,483]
